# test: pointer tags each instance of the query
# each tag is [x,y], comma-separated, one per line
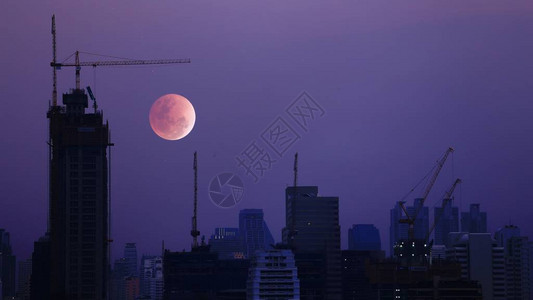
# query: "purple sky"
[399,81]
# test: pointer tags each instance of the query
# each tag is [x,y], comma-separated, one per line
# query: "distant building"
[273,275]
[227,243]
[151,277]
[131,287]
[448,221]
[120,273]
[130,255]
[364,237]
[254,232]
[474,221]
[517,262]
[312,231]
[7,265]
[24,276]
[482,260]
[401,231]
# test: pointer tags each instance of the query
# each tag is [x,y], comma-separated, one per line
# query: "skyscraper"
[7,265]
[364,237]
[400,231]
[447,220]
[130,255]
[474,221]
[312,231]
[517,262]
[254,232]
[78,215]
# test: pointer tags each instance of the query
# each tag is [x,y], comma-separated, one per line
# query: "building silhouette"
[474,221]
[364,237]
[227,243]
[312,231]
[355,280]
[448,221]
[199,274]
[273,275]
[254,231]
[400,231]
[482,260]
[24,276]
[40,269]
[78,215]
[7,265]
[518,258]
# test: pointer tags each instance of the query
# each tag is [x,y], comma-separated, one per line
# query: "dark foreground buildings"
[77,242]
[312,231]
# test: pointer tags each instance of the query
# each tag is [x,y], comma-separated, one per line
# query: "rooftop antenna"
[194,231]
[54,90]
[295,169]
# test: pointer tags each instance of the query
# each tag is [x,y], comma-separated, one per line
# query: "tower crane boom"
[411,219]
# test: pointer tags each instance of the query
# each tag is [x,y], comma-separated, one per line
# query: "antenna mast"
[54,90]
[194,231]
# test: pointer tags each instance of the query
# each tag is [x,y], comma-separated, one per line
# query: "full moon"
[172,117]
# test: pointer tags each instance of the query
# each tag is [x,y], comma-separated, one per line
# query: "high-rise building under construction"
[79,205]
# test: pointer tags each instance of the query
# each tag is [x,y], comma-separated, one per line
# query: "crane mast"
[296,169]
[54,90]
[194,231]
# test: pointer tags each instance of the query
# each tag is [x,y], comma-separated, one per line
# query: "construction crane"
[194,231]
[55,65]
[447,198]
[295,169]
[410,219]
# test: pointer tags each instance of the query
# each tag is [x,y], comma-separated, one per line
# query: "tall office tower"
[24,275]
[7,265]
[447,221]
[400,231]
[79,209]
[130,254]
[151,278]
[227,243]
[254,232]
[481,259]
[474,221]
[312,231]
[364,237]
[273,275]
[517,262]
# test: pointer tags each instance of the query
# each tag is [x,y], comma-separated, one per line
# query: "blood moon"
[172,117]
